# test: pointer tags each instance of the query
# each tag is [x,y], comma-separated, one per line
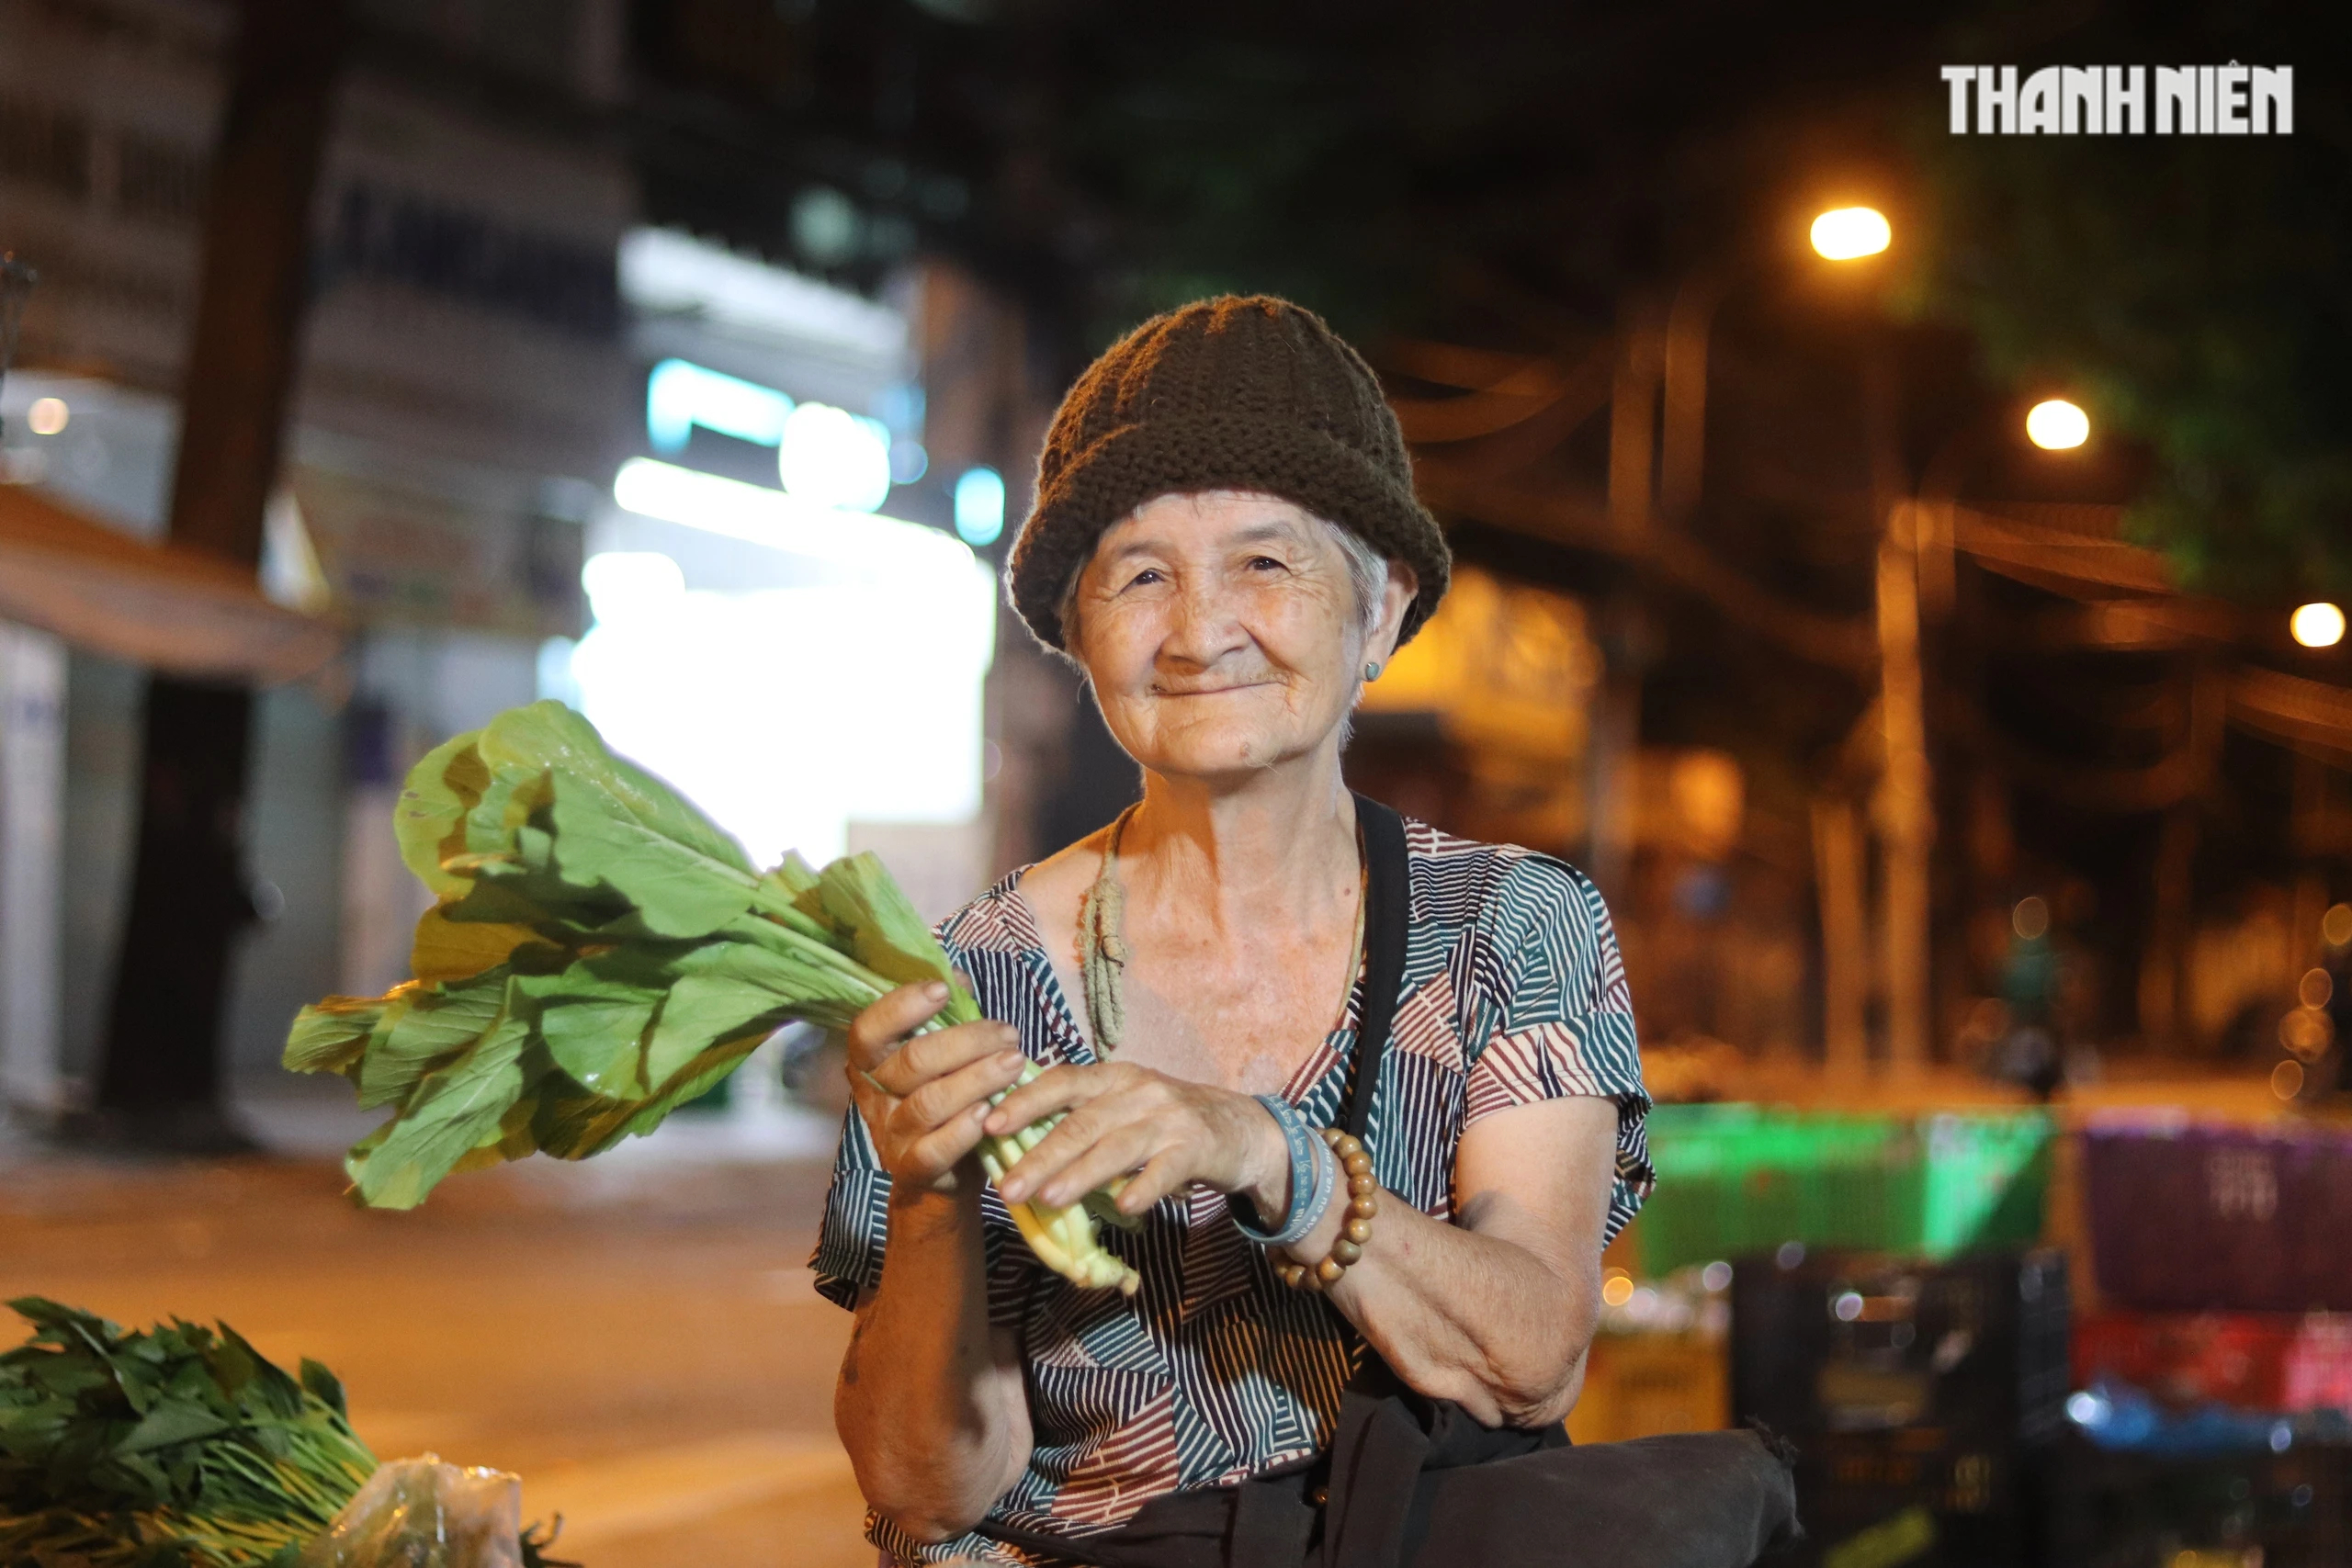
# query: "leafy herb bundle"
[179,1446]
[602,953]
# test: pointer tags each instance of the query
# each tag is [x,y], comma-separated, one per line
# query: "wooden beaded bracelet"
[1364,1203]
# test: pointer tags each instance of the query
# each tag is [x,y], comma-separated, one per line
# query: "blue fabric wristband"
[1314,1174]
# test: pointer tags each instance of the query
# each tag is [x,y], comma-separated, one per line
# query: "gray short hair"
[1367,580]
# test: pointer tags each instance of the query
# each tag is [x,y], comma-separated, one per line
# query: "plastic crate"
[1735,1179]
[2189,1217]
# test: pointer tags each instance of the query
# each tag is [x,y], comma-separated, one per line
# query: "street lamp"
[1848,234]
[17,282]
[1843,234]
[2056,425]
[2317,624]
[1906,805]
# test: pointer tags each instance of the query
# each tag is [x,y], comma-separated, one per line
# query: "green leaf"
[451,1111]
[437,1026]
[323,1386]
[679,888]
[886,935]
[430,819]
[795,875]
[172,1422]
[549,735]
[516,788]
[330,1035]
[594,1029]
[705,1010]
[698,1077]
[444,949]
[540,899]
[569,1123]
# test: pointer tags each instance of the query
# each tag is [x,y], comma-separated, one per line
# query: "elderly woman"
[1227,543]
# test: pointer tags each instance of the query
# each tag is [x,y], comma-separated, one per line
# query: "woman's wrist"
[1315,1245]
[919,1211]
[1266,1168]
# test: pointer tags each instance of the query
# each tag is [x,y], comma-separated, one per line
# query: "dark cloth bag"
[1412,1481]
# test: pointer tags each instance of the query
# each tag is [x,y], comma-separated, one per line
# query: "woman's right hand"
[924,1097]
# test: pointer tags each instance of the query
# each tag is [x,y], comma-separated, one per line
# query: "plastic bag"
[421,1513]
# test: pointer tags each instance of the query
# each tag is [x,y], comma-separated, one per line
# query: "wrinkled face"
[1221,632]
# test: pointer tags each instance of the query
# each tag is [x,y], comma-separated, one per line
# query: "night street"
[642,1344]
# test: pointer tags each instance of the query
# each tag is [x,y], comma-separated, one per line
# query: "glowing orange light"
[2056,425]
[2317,626]
[1848,234]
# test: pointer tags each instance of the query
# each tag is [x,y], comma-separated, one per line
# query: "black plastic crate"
[1975,1346]
[1918,1497]
[1921,1397]
[2135,1510]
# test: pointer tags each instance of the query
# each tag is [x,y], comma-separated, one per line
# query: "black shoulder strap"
[1388,912]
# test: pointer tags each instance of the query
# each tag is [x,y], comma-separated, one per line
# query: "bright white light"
[2319,624]
[908,461]
[2057,425]
[833,458]
[554,672]
[1848,1306]
[663,272]
[629,584]
[788,713]
[2086,1409]
[980,506]
[1848,233]
[47,416]
[863,542]
[679,396]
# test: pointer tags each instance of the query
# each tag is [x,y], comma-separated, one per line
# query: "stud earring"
[1371,670]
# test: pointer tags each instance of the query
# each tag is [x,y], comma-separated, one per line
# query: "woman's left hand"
[1119,1118]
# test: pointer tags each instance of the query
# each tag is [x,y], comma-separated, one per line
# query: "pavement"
[635,1337]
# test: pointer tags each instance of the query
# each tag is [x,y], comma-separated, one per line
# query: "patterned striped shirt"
[1214,1371]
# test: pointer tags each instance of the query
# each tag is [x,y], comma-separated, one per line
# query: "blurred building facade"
[492,337]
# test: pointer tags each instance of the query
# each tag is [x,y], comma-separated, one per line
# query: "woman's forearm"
[1494,1308]
[1475,1318]
[934,1416]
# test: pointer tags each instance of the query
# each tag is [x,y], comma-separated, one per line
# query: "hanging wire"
[17,282]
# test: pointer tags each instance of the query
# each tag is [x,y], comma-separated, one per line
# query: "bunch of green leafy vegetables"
[601,953]
[178,1446]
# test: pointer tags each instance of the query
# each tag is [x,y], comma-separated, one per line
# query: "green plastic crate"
[1741,1178]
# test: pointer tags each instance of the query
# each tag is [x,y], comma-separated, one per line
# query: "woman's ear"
[1404,587]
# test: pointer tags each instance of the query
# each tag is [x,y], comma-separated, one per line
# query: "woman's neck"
[1276,850]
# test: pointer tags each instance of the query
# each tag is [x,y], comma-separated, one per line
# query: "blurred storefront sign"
[1502,675]
[394,555]
[1506,668]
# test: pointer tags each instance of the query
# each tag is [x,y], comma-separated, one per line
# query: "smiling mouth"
[1210,691]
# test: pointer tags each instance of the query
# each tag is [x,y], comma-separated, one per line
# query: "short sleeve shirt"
[1214,1371]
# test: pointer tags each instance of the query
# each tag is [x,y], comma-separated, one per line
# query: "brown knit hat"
[1223,394]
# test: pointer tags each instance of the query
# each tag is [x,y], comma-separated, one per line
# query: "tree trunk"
[1906,789]
[1840,877]
[1907,817]
[161,1076]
